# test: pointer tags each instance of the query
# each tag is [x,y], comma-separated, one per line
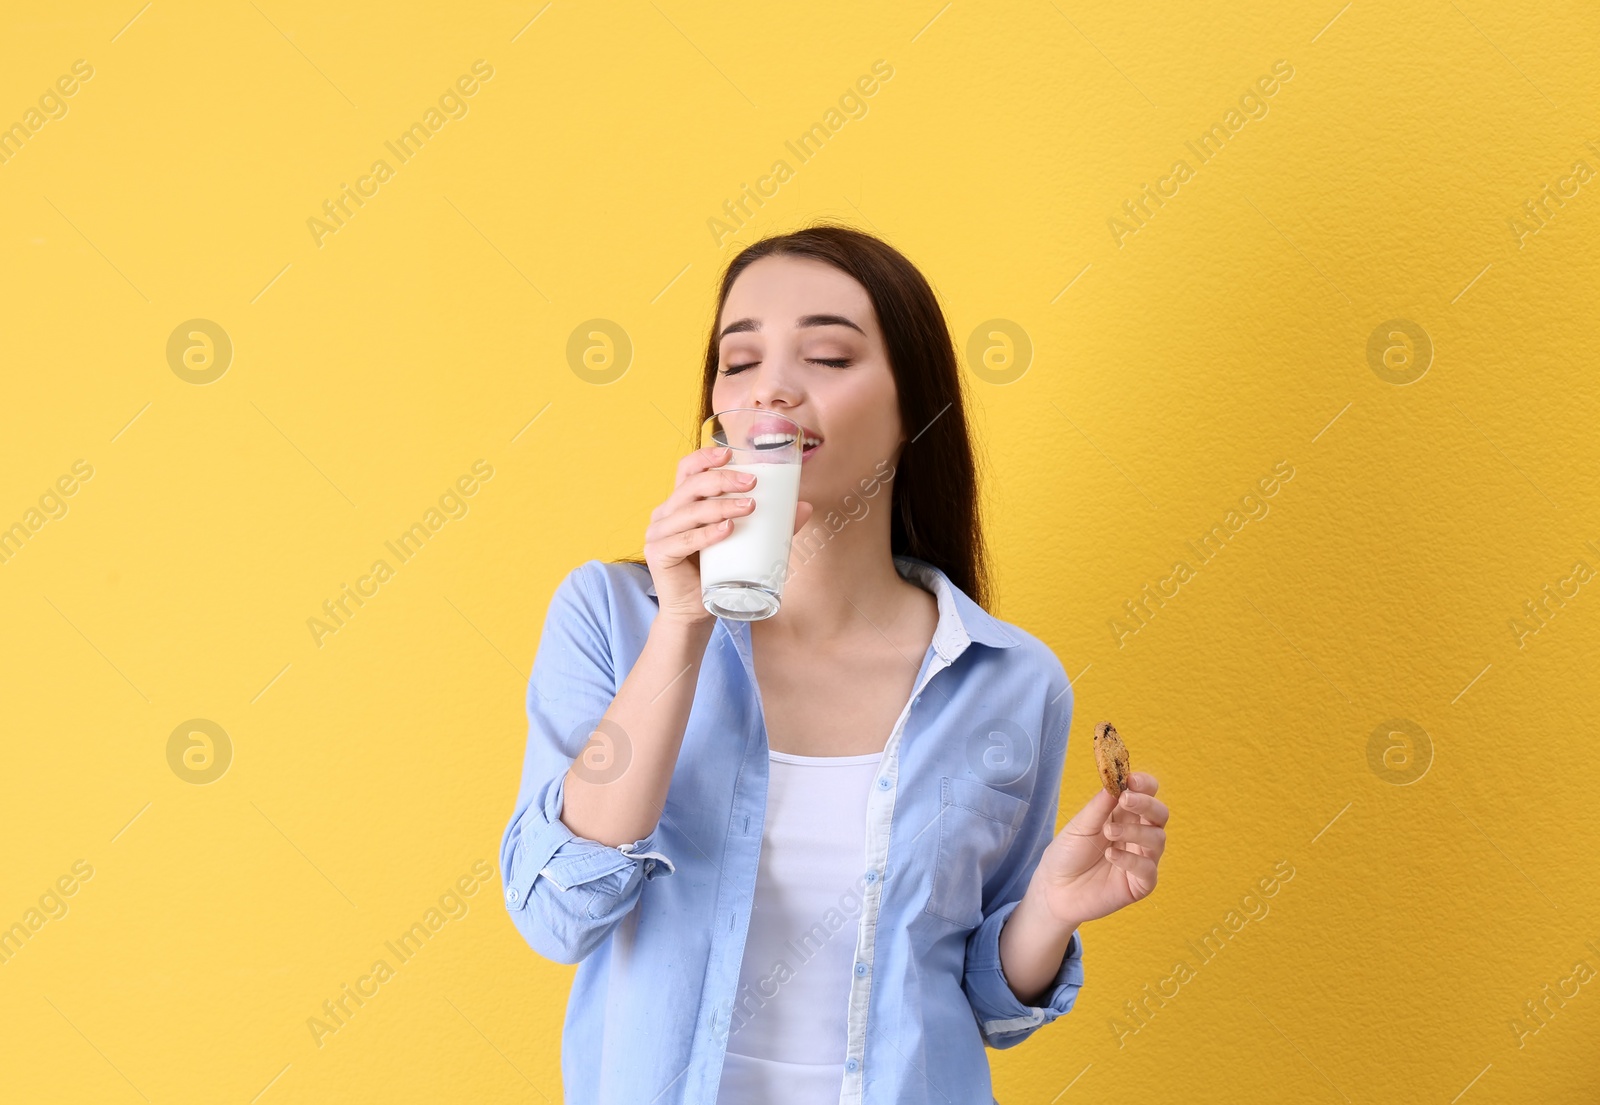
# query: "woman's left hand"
[1106,856]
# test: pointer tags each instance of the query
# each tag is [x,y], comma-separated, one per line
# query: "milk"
[757,551]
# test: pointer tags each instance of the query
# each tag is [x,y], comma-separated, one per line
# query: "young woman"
[812,858]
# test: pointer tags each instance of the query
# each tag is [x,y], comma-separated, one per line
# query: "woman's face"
[800,337]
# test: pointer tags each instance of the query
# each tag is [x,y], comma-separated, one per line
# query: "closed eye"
[834,362]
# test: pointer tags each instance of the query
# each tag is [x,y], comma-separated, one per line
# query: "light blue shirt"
[962,806]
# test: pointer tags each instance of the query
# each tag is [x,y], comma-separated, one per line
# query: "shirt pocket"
[977,824]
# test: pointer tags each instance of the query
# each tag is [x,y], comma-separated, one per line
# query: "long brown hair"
[934,515]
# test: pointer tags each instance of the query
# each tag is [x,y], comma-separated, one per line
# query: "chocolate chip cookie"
[1111,757]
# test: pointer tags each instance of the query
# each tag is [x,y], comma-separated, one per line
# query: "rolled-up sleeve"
[1003,1020]
[565,893]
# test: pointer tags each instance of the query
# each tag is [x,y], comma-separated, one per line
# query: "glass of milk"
[742,575]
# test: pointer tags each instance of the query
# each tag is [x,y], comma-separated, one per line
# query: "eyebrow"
[746,325]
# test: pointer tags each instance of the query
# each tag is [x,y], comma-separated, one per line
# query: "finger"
[802,514]
[700,512]
[711,483]
[1151,838]
[1143,781]
[692,536]
[680,545]
[1135,849]
[699,461]
[1150,808]
[1138,867]
[1093,814]
[716,481]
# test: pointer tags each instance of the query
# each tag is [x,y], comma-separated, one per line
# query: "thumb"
[1092,817]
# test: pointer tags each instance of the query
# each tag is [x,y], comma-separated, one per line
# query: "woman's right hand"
[692,518]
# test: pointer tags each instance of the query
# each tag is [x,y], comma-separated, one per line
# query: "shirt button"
[511,896]
[883,782]
[872,876]
[851,1065]
[861,970]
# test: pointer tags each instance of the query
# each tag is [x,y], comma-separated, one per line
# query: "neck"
[847,585]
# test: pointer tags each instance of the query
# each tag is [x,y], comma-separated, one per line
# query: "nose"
[774,384]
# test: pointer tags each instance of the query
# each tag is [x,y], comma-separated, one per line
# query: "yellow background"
[369,372]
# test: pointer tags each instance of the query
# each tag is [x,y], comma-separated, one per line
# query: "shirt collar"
[961,620]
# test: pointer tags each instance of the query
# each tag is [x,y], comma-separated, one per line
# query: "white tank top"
[786,1039]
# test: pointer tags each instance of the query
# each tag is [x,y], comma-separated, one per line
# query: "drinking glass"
[742,575]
